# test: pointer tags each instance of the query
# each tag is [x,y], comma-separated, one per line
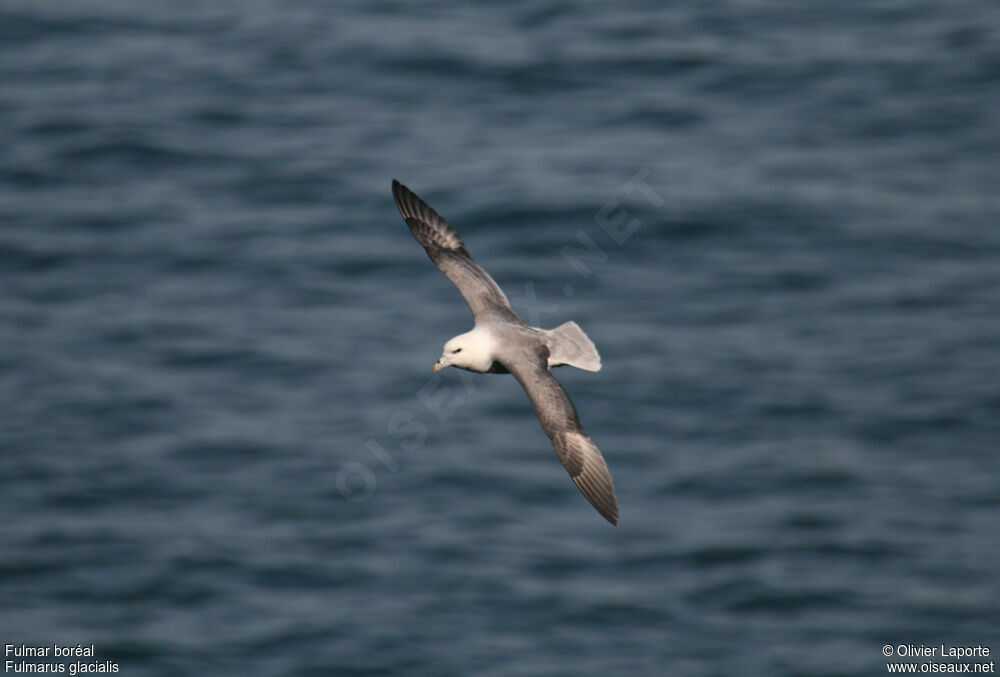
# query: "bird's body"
[501,342]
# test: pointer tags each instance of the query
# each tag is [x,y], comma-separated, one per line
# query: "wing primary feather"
[574,448]
[445,248]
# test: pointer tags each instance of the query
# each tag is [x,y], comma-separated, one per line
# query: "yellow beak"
[438,367]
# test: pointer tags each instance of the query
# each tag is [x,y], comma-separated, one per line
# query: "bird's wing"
[446,249]
[573,446]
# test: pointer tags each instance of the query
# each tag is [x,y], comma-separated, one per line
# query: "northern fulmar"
[501,342]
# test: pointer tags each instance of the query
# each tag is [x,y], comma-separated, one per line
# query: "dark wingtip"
[607,511]
[406,200]
[606,506]
[398,189]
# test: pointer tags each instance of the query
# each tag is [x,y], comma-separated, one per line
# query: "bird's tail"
[569,345]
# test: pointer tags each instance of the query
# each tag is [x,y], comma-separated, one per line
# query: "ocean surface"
[222,448]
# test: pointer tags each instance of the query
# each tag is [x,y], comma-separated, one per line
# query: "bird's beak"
[439,366]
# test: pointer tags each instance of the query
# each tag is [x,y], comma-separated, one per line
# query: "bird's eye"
[457,350]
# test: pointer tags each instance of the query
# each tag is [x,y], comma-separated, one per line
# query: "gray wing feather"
[446,249]
[576,451]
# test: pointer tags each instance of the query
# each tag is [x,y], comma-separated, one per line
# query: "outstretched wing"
[446,249]
[574,448]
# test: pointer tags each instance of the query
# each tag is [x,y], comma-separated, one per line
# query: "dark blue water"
[224,452]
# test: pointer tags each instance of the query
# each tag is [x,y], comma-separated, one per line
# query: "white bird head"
[472,350]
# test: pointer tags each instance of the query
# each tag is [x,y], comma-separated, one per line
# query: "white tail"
[569,345]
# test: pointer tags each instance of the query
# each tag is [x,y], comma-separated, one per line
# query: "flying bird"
[501,342]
